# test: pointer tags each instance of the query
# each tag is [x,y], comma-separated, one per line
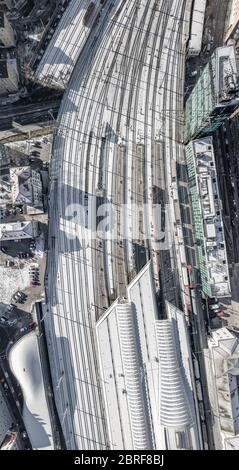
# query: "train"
[88,13]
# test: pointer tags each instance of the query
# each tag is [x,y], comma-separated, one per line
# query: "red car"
[34,283]
[220,314]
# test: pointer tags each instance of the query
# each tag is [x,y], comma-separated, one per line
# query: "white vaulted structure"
[146,373]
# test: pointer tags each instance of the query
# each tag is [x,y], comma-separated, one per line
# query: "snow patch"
[13,279]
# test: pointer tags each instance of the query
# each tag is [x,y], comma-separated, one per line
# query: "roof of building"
[145,371]
[225,65]
[16,230]
[25,364]
[208,216]
[216,87]
[196,36]
[224,348]
[20,178]
[26,186]
[232,18]
[68,40]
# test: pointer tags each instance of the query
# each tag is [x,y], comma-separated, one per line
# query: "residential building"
[222,368]
[7,36]
[215,95]
[207,216]
[26,186]
[146,372]
[18,230]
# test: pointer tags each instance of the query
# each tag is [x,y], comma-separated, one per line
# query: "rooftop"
[67,42]
[25,364]
[145,370]
[226,78]
[224,349]
[210,218]
[16,230]
[26,186]
[195,42]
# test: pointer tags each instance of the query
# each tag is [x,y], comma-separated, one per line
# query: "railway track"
[105,140]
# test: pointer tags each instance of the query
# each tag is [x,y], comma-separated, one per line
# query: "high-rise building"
[207,216]
[215,95]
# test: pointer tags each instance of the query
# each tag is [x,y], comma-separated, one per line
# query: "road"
[118,139]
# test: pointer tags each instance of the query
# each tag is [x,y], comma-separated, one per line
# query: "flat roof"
[213,236]
[197,25]
[69,38]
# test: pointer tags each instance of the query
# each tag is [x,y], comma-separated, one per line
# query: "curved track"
[107,148]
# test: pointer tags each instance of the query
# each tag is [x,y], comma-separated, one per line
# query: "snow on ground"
[12,279]
[40,241]
[25,363]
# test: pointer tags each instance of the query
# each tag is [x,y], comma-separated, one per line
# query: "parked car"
[215,306]
[10,307]
[220,314]
[34,278]
[37,144]
[35,153]
[3,319]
